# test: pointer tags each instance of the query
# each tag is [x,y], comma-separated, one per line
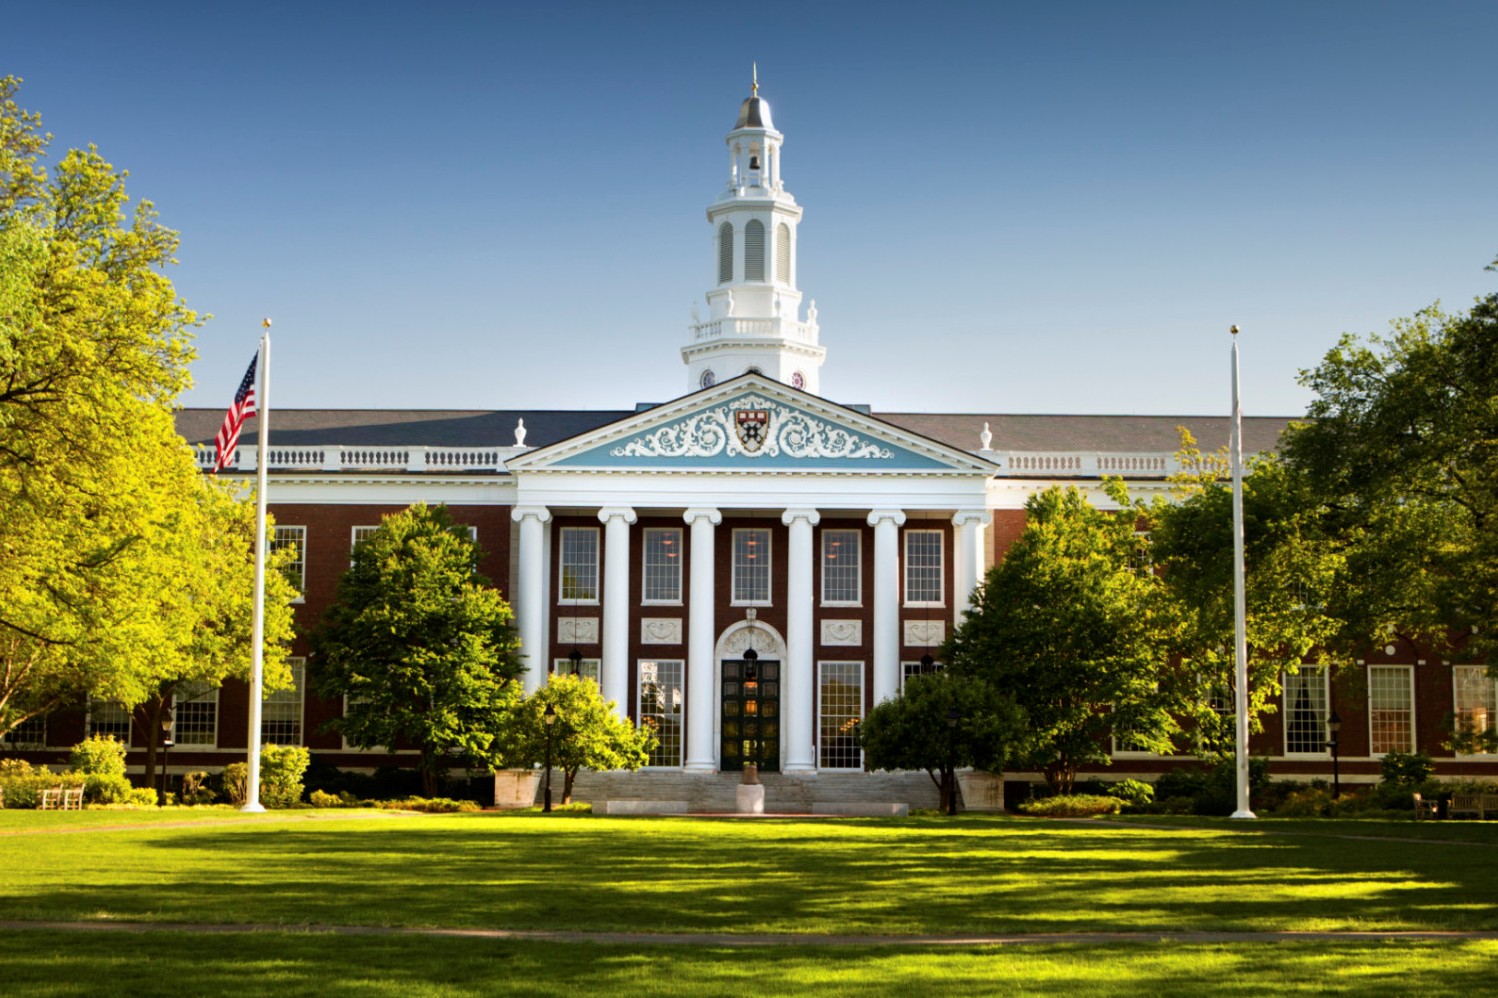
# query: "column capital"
[790,516]
[625,513]
[876,516]
[539,513]
[712,516]
[981,517]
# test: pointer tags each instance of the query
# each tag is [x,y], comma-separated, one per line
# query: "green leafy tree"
[586,732]
[121,566]
[1070,625]
[939,723]
[423,647]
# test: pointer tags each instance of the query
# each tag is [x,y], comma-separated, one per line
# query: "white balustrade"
[1079,464]
[335,457]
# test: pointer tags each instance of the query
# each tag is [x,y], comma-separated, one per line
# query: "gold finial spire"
[754,86]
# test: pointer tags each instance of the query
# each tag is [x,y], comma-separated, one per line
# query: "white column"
[968,570]
[701,639]
[616,521]
[798,678]
[530,599]
[886,524]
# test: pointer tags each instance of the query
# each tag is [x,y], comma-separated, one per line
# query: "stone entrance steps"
[715,792]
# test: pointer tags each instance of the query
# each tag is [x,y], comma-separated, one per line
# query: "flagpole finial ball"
[266,323]
[1234,330]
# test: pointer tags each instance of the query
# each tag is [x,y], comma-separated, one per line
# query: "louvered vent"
[783,253]
[754,250]
[725,253]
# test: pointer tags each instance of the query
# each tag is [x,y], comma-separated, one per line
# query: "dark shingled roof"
[496,428]
[1116,434]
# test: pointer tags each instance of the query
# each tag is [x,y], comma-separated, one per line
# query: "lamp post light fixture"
[549,717]
[952,718]
[166,744]
[1333,728]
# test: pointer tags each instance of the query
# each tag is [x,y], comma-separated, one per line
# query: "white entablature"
[754,320]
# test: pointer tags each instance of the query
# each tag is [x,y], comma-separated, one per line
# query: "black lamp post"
[952,718]
[550,719]
[166,744]
[576,658]
[1333,727]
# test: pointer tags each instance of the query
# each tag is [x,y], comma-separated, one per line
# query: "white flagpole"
[1240,601]
[257,631]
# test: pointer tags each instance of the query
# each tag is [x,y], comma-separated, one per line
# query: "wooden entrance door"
[750,721]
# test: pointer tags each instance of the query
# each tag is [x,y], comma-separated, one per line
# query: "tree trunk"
[568,775]
[150,715]
[429,772]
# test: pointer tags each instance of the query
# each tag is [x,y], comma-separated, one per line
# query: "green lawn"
[925,875]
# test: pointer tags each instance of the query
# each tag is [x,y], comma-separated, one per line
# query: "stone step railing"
[337,457]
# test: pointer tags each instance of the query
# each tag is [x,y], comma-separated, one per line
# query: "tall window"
[909,669]
[840,703]
[281,715]
[1391,709]
[662,565]
[841,575]
[754,250]
[29,734]
[783,253]
[1475,698]
[923,568]
[587,668]
[196,714]
[1305,711]
[725,253]
[295,540]
[106,718]
[359,534]
[660,708]
[751,566]
[579,579]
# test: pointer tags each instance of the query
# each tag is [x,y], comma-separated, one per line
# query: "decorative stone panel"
[842,632]
[925,633]
[660,631]
[577,630]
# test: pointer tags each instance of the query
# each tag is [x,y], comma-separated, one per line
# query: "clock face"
[709,378]
[798,380]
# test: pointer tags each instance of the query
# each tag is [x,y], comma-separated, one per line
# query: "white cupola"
[754,319]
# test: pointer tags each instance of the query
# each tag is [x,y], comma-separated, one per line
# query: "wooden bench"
[1426,808]
[1479,804]
[62,799]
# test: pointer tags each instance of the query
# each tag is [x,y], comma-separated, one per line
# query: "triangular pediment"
[753,423]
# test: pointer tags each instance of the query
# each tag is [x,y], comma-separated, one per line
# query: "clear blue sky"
[1010,207]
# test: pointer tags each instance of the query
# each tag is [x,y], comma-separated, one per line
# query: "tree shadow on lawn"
[767,876]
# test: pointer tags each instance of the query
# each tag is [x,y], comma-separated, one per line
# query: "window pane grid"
[662,583]
[294,539]
[841,574]
[579,565]
[1476,698]
[908,669]
[1305,711]
[281,714]
[29,734]
[660,708]
[195,716]
[923,566]
[587,668]
[751,566]
[108,718]
[840,696]
[1390,709]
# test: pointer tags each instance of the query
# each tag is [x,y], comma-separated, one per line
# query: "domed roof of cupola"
[755,111]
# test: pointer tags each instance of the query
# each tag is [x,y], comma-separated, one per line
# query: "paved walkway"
[760,940]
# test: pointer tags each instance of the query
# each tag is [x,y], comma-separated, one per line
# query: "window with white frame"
[840,706]
[842,578]
[579,565]
[293,539]
[360,534]
[660,708]
[108,718]
[1305,711]
[1475,699]
[751,566]
[586,668]
[29,734]
[195,715]
[923,568]
[281,714]
[909,669]
[1391,708]
[662,563]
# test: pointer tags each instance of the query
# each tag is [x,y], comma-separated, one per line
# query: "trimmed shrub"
[431,805]
[195,789]
[237,783]
[101,760]
[1072,806]
[1405,769]
[1134,793]
[281,769]
[142,797]
[23,783]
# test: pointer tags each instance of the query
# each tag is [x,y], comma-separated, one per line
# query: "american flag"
[241,409]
